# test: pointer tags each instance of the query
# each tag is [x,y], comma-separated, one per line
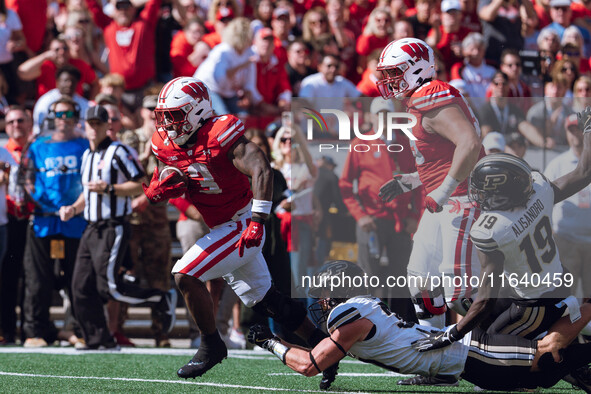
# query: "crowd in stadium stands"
[255,56]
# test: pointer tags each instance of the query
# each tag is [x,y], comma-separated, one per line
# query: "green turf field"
[148,370]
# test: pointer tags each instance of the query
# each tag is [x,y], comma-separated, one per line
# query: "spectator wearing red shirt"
[33,16]
[447,38]
[281,25]
[272,80]
[377,33]
[131,40]
[183,47]
[42,68]
[367,85]
[344,36]
[542,8]
[581,13]
[223,16]
[470,18]
[359,11]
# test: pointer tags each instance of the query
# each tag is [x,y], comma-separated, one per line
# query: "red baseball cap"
[224,12]
[265,32]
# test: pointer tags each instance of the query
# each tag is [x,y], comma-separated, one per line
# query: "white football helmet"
[405,65]
[183,107]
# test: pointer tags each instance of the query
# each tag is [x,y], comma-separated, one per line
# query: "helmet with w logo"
[183,107]
[405,65]
[500,181]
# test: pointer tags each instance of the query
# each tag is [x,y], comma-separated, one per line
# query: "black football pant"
[97,278]
[43,275]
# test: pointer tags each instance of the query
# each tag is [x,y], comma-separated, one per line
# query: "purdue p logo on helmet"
[500,181]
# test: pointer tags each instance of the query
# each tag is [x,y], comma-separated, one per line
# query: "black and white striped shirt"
[113,163]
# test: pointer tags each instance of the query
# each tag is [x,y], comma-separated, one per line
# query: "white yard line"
[196,383]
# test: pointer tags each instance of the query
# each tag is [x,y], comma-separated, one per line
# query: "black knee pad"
[282,309]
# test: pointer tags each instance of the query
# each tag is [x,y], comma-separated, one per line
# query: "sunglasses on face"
[114,120]
[318,22]
[83,21]
[565,69]
[284,140]
[123,6]
[66,114]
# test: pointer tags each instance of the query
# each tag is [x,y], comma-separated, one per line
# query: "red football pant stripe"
[210,249]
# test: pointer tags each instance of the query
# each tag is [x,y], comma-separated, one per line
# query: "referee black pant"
[97,278]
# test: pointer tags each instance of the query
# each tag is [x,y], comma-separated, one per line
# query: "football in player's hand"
[178,176]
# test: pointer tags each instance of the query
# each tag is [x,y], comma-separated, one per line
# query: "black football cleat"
[203,361]
[328,376]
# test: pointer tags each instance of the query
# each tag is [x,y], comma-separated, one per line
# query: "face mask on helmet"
[333,284]
[405,65]
[392,83]
[183,107]
[500,182]
[320,310]
[175,123]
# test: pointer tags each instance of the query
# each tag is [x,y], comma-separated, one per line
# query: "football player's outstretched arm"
[311,362]
[574,181]
[251,161]
[492,264]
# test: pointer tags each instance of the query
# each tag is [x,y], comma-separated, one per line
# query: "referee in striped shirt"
[111,176]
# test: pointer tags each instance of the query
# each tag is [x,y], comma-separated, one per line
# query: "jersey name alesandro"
[528,217]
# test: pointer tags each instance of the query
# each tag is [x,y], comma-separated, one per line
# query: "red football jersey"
[434,153]
[216,187]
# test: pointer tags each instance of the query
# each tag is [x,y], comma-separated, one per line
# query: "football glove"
[261,336]
[437,340]
[585,120]
[252,236]
[435,200]
[159,191]
[399,185]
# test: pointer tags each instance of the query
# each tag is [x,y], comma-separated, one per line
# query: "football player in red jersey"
[218,160]
[446,148]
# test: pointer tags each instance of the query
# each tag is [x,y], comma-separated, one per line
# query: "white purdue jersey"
[389,343]
[524,236]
